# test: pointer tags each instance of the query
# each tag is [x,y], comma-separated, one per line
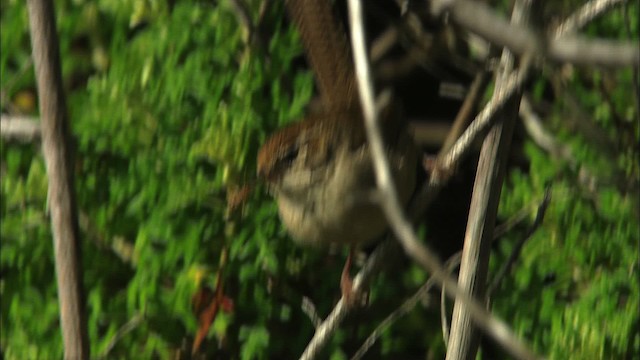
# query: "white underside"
[336,213]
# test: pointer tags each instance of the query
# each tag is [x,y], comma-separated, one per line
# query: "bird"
[319,169]
[320,172]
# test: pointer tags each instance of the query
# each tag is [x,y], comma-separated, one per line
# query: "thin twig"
[424,49]
[511,223]
[309,308]
[483,120]
[265,5]
[545,140]
[131,325]
[383,44]
[323,332]
[539,135]
[587,13]
[405,308]
[20,128]
[243,15]
[444,319]
[542,208]
[464,114]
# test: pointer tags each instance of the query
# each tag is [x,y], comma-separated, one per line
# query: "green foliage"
[161,132]
[168,103]
[575,292]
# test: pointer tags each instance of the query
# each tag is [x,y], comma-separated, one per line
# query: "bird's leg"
[350,296]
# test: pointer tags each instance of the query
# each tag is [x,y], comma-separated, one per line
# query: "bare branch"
[483,120]
[20,128]
[383,44]
[131,325]
[430,134]
[481,20]
[585,15]
[444,319]
[309,308]
[59,160]
[340,311]
[520,216]
[464,339]
[405,308]
[243,16]
[542,209]
[464,114]
[533,126]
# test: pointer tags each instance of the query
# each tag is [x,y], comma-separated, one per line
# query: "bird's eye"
[289,156]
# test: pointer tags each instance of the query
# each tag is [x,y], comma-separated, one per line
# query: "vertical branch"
[58,159]
[463,339]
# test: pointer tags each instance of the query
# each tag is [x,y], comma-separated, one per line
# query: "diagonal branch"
[340,311]
[585,15]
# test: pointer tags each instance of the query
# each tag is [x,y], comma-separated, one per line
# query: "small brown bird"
[319,169]
[321,174]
